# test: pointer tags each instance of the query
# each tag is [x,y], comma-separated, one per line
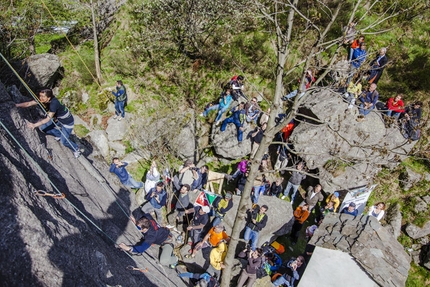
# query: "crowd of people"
[202,224]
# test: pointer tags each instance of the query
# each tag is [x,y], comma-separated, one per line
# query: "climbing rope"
[54,195]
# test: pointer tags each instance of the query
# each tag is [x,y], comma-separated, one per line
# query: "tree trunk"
[245,202]
[96,46]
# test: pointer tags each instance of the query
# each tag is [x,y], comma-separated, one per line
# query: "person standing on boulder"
[56,111]
[120,100]
[117,167]
[153,234]
[257,220]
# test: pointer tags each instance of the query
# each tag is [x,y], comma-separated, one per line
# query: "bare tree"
[96,44]
[283,17]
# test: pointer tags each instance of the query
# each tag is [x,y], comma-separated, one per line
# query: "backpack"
[263,270]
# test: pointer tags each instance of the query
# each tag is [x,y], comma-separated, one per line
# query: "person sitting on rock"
[309,79]
[313,196]
[200,219]
[156,199]
[300,215]
[256,221]
[126,179]
[237,87]
[153,234]
[249,273]
[354,45]
[350,209]
[238,119]
[353,91]
[152,177]
[242,167]
[252,110]
[378,66]
[203,279]
[377,210]
[65,120]
[224,102]
[328,208]
[256,138]
[368,101]
[258,188]
[221,206]
[395,106]
[295,268]
[334,197]
[215,235]
[411,121]
[294,181]
[276,187]
[120,100]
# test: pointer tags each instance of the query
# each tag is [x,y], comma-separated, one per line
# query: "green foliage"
[43,41]
[81,131]
[418,276]
[128,146]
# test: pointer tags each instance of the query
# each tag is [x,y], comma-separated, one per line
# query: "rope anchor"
[129,267]
[50,194]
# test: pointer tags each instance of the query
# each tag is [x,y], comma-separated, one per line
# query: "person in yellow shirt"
[334,197]
[212,239]
[217,256]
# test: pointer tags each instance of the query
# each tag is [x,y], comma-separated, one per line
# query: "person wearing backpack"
[120,99]
[236,84]
[249,273]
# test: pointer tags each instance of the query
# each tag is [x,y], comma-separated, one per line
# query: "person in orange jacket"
[300,215]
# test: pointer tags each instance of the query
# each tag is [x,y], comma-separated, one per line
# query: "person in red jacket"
[395,106]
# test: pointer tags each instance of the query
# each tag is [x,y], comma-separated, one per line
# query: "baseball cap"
[206,209]
[352,204]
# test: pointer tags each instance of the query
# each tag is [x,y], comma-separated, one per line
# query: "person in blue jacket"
[224,102]
[350,209]
[117,167]
[238,119]
[153,234]
[358,57]
[368,101]
[156,198]
[120,99]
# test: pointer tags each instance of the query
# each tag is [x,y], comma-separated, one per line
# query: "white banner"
[359,195]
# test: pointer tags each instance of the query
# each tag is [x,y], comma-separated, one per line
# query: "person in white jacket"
[152,177]
[377,210]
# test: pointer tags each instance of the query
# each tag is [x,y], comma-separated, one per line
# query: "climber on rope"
[56,111]
[153,234]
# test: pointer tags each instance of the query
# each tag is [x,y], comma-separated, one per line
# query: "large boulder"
[226,143]
[99,140]
[44,69]
[416,232]
[408,178]
[372,246]
[342,149]
[394,220]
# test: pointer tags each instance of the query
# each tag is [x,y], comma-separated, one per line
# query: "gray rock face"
[344,150]
[99,140]
[420,206]
[373,247]
[416,232]
[409,178]
[394,220]
[47,241]
[227,145]
[44,69]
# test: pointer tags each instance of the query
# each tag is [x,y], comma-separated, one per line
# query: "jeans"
[236,174]
[280,164]
[293,94]
[258,190]
[196,235]
[130,182]
[49,129]
[246,276]
[236,123]
[251,235]
[287,190]
[217,220]
[65,139]
[365,111]
[216,107]
[119,108]
[394,114]
[281,281]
